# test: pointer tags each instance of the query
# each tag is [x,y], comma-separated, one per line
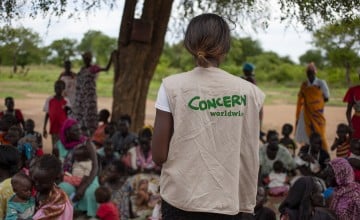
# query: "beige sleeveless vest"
[213,158]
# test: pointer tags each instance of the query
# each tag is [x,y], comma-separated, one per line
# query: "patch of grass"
[40,79]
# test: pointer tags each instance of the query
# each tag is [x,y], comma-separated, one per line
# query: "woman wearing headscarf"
[345,201]
[312,96]
[305,202]
[84,194]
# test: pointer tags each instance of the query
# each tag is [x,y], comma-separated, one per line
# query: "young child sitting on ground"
[278,180]
[312,159]
[81,167]
[30,132]
[342,141]
[354,158]
[288,142]
[107,154]
[21,205]
[107,209]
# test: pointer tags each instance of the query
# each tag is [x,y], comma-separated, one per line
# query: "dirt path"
[274,115]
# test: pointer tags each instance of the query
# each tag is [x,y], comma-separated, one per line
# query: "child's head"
[315,142]
[123,126]
[104,115]
[355,146]
[22,185]
[145,136]
[110,129]
[81,154]
[278,166]
[29,125]
[67,65]
[9,103]
[286,129]
[102,194]
[14,134]
[108,148]
[342,130]
[44,172]
[272,138]
[207,38]
[59,87]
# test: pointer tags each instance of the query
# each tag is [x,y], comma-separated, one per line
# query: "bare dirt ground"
[274,115]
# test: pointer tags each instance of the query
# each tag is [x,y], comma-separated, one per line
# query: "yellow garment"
[6,192]
[311,100]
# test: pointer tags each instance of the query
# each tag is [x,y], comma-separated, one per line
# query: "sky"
[292,42]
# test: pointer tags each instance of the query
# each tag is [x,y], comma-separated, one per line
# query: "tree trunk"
[136,60]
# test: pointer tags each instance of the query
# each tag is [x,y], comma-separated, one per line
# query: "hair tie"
[201,54]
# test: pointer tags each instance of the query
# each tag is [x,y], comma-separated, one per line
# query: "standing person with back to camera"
[206,132]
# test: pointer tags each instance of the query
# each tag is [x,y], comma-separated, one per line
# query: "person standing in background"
[310,118]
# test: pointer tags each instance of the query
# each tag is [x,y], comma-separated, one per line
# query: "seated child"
[21,205]
[312,159]
[107,154]
[278,180]
[81,167]
[107,209]
[29,132]
[288,142]
[342,141]
[51,201]
[354,158]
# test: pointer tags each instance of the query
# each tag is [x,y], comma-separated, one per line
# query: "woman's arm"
[348,114]
[163,131]
[112,56]
[86,181]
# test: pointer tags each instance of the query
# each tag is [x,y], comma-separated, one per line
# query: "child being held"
[21,205]
[342,141]
[288,142]
[81,167]
[107,209]
[278,180]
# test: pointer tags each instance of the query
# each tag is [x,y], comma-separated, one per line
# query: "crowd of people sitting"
[111,174]
[106,171]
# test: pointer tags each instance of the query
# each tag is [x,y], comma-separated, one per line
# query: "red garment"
[357,175]
[108,211]
[353,96]
[17,113]
[57,114]
[99,135]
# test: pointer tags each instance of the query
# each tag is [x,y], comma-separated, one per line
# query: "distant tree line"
[336,53]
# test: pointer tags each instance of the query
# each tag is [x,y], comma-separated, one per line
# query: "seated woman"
[305,201]
[273,151]
[71,139]
[345,200]
[51,201]
[312,159]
